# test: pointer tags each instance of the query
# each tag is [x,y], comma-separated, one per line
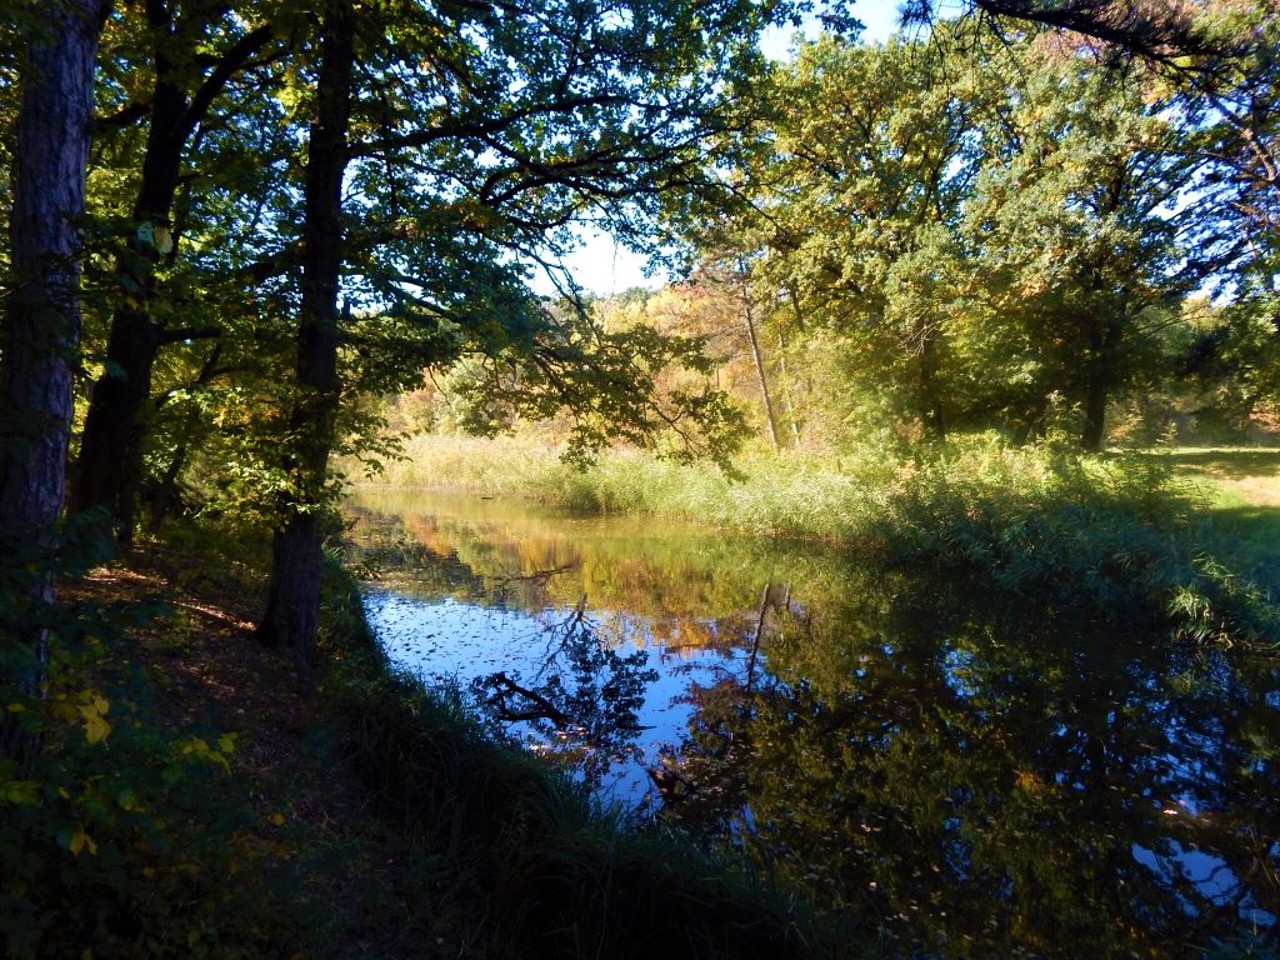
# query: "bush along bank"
[1122,535]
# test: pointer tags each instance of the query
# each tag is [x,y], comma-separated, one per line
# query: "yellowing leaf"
[81,841]
[163,239]
[22,792]
[93,720]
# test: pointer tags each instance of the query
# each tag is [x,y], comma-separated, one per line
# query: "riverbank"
[199,798]
[1165,532]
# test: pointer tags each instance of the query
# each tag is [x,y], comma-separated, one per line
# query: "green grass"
[1242,505]
[791,494]
[1234,476]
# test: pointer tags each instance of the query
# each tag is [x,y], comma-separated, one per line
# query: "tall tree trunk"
[1095,414]
[804,386]
[109,469]
[931,410]
[1100,372]
[293,601]
[787,404]
[41,335]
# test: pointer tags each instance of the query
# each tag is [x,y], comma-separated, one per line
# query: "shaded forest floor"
[269,813]
[325,877]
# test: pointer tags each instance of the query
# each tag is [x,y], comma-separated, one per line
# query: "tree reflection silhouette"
[980,775]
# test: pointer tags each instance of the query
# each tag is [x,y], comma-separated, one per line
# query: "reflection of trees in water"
[979,778]
[581,704]
[693,594]
[955,772]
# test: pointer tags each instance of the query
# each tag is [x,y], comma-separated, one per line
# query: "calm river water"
[958,772]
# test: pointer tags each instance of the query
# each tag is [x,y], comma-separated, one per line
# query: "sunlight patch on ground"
[1244,476]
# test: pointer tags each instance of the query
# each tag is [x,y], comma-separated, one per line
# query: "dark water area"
[952,770]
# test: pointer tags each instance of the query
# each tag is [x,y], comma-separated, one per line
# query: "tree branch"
[216,82]
[125,117]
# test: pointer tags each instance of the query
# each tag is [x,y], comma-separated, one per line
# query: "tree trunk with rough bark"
[1105,340]
[109,467]
[293,602]
[1095,414]
[40,339]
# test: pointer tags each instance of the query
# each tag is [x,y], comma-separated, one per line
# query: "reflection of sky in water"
[1209,875]
[452,640]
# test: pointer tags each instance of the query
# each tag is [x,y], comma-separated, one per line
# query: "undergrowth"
[125,836]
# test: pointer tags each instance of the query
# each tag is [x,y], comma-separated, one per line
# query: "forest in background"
[960,232]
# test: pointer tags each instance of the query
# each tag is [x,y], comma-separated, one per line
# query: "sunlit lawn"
[1244,497]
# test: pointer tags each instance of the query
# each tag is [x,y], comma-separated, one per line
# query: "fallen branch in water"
[543,709]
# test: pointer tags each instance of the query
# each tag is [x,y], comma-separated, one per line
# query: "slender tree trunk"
[293,602]
[931,410]
[756,636]
[41,335]
[787,403]
[748,316]
[804,385]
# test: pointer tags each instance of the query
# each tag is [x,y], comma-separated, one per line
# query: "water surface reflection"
[960,773]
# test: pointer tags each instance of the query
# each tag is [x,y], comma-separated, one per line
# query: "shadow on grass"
[1233,464]
[1255,526]
[1248,537]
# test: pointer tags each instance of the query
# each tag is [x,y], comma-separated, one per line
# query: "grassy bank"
[1242,488]
[1156,533]
[200,799]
